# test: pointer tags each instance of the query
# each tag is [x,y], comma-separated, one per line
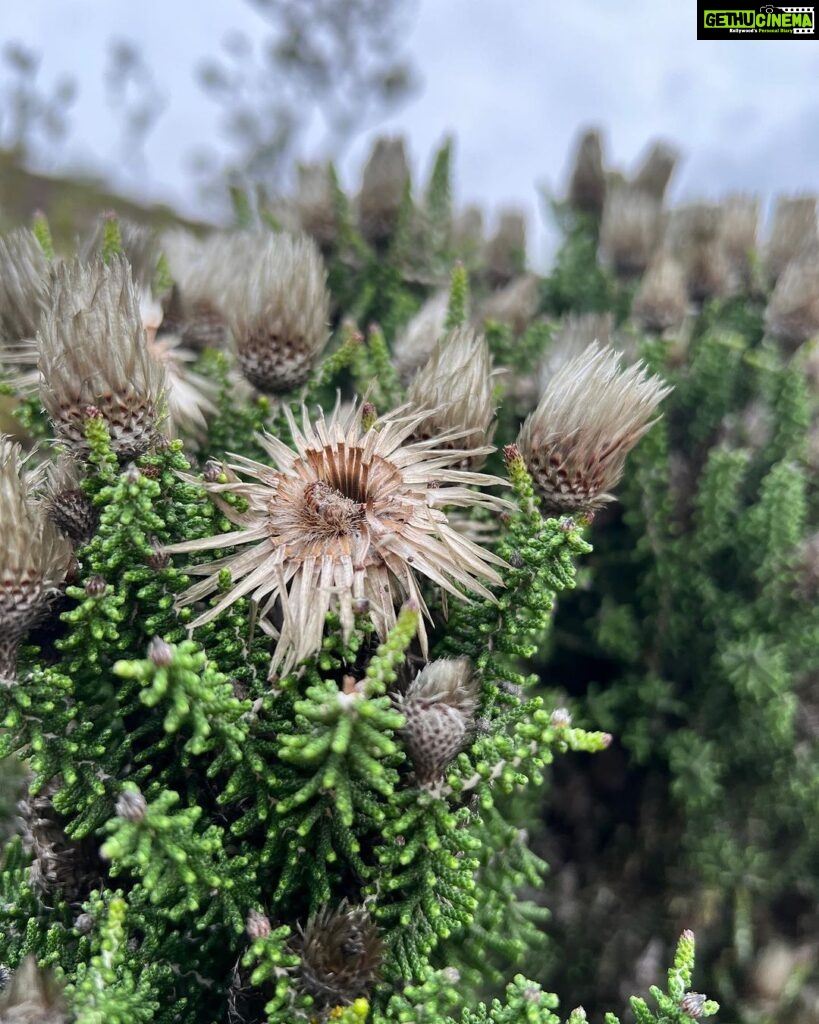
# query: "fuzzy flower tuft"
[455,391]
[340,954]
[587,182]
[34,557]
[24,270]
[795,231]
[630,230]
[383,184]
[439,707]
[93,352]
[350,519]
[661,301]
[590,417]
[792,316]
[278,310]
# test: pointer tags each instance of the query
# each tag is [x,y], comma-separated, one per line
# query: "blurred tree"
[29,113]
[134,97]
[327,68]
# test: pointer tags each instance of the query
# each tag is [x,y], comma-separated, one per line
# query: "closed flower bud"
[661,301]
[505,252]
[793,233]
[277,307]
[655,171]
[66,504]
[439,707]
[587,182]
[160,652]
[315,203]
[415,343]
[34,557]
[629,231]
[383,185]
[340,951]
[591,415]
[455,387]
[792,316]
[257,925]
[93,352]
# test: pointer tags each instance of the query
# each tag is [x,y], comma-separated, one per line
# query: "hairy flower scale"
[590,417]
[350,519]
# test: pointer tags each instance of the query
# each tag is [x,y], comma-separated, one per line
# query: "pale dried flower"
[93,352]
[738,236]
[505,252]
[350,515]
[383,186]
[24,273]
[278,309]
[32,997]
[587,181]
[454,389]
[201,270]
[574,335]
[795,231]
[340,954]
[630,230]
[139,245]
[439,709]
[514,305]
[315,203]
[661,301]
[415,343]
[694,238]
[190,396]
[792,316]
[591,415]
[656,169]
[34,557]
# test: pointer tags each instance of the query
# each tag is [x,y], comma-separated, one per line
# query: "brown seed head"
[341,953]
[587,182]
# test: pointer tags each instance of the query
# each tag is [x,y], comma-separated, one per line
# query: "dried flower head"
[505,252]
[694,235]
[34,557]
[190,396]
[656,170]
[439,707]
[630,230]
[455,391]
[24,273]
[738,236]
[201,270]
[515,305]
[587,182]
[65,503]
[350,515]
[383,185]
[794,232]
[591,415]
[792,316]
[315,203]
[576,332]
[277,307]
[341,952]
[93,352]
[661,301]
[33,997]
[415,343]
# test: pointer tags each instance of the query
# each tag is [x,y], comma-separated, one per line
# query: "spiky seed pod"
[315,203]
[515,305]
[93,352]
[587,181]
[694,240]
[383,185]
[792,316]
[591,415]
[738,236]
[278,312]
[793,233]
[34,557]
[24,273]
[439,707]
[33,997]
[505,252]
[454,389]
[661,301]
[656,169]
[415,343]
[352,514]
[341,952]
[66,504]
[630,230]
[60,866]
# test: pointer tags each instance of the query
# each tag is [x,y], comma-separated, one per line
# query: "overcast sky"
[513,82]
